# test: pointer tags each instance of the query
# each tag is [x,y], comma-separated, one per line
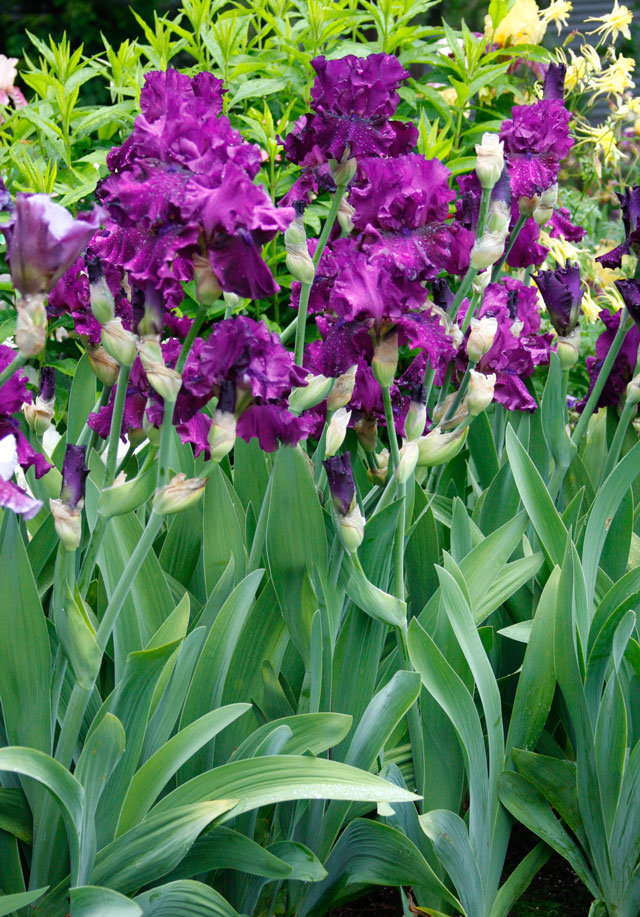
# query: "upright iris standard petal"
[554,82]
[562,296]
[43,240]
[630,204]
[74,475]
[341,483]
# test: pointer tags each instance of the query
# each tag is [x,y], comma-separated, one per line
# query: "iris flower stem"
[300,322]
[87,435]
[165,442]
[460,393]
[618,437]
[116,425]
[12,368]
[472,272]
[191,336]
[89,561]
[515,232]
[600,382]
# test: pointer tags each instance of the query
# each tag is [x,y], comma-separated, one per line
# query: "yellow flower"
[521,25]
[581,67]
[613,298]
[558,12]
[604,276]
[562,250]
[449,94]
[590,307]
[604,140]
[615,23]
[616,79]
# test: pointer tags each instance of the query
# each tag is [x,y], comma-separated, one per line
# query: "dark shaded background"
[84,20]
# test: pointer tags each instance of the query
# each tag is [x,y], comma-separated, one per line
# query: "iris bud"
[548,202]
[166,382]
[490,160]
[340,394]
[125,496]
[104,366]
[315,391]
[345,216]
[438,448]
[342,172]
[222,434]
[38,415]
[442,410]
[480,392]
[417,414]
[499,217]
[487,250]
[351,529]
[409,455]
[68,523]
[179,494]
[299,260]
[481,337]
[633,390]
[481,282]
[527,205]
[118,342]
[569,348]
[101,298]
[379,474]
[336,431]
[385,360]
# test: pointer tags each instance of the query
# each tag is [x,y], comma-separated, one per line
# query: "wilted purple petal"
[341,483]
[562,296]
[74,474]
[554,82]
[630,292]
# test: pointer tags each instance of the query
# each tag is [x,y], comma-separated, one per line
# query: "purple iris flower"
[518,346]
[563,228]
[554,82]
[562,296]
[47,388]
[71,295]
[341,483]
[624,364]
[13,394]
[43,240]
[74,475]
[630,203]
[402,209]
[536,138]
[630,292]
[181,186]
[353,99]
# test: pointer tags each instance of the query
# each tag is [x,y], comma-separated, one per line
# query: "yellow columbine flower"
[562,250]
[613,298]
[604,141]
[590,307]
[558,12]
[616,79]
[581,67]
[617,22]
[521,25]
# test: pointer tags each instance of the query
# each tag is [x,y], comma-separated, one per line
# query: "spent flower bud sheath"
[165,381]
[409,454]
[104,366]
[67,511]
[208,289]
[307,396]
[416,418]
[340,394]
[487,250]
[222,432]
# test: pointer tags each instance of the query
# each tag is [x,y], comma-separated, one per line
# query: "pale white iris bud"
[299,260]
[307,396]
[409,455]
[351,528]
[118,342]
[166,382]
[208,288]
[179,494]
[38,415]
[490,160]
[481,282]
[437,448]
[385,360]
[569,348]
[480,392]
[104,366]
[481,337]
[222,434]
[487,250]
[68,523]
[336,431]
[345,216]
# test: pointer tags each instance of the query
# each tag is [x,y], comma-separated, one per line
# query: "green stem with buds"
[299,323]
[12,368]
[455,404]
